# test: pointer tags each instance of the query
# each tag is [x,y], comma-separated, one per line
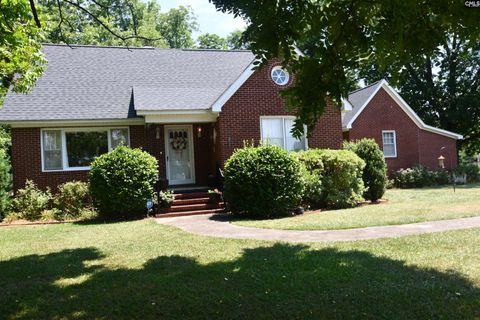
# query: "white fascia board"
[227,94]
[74,123]
[346,105]
[349,124]
[181,118]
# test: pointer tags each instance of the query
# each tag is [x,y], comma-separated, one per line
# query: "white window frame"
[64,144]
[394,143]
[284,137]
[287,76]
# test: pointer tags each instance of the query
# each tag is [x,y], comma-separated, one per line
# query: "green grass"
[403,206]
[148,271]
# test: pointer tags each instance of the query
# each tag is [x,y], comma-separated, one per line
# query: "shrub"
[313,174]
[419,177]
[30,202]
[375,172]
[471,170]
[5,183]
[122,181]
[72,199]
[263,182]
[342,178]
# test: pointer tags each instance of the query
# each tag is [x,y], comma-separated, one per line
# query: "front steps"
[186,204]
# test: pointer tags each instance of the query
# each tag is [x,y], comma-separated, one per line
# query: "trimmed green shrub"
[375,172]
[419,177]
[5,183]
[263,182]
[313,174]
[72,199]
[342,178]
[122,181]
[471,170]
[30,202]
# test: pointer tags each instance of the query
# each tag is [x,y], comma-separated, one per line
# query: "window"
[277,131]
[389,144]
[280,76]
[75,149]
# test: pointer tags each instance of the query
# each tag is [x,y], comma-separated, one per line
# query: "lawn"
[403,206]
[144,270]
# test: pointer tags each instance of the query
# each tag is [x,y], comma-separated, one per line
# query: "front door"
[179,155]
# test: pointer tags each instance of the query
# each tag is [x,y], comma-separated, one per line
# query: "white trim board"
[406,108]
[75,123]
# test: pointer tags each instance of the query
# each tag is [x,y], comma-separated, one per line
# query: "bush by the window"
[313,174]
[30,202]
[5,183]
[375,171]
[342,178]
[263,182]
[419,177]
[72,199]
[122,181]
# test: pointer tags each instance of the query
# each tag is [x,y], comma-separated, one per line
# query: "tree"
[337,36]
[211,41]
[21,61]
[444,88]
[177,26]
[235,41]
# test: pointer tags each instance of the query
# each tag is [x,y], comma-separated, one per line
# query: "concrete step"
[181,202]
[188,213]
[193,207]
[191,195]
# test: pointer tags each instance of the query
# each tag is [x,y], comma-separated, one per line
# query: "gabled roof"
[359,99]
[94,82]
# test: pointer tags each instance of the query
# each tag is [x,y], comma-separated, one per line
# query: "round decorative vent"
[280,76]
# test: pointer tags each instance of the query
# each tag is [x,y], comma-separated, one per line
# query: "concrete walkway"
[219,226]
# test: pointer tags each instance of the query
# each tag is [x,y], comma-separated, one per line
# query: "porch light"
[441,162]
[157,133]
[199,131]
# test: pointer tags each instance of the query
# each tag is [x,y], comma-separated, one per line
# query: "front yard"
[403,206]
[144,270]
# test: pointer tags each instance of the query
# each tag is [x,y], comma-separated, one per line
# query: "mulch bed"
[17,223]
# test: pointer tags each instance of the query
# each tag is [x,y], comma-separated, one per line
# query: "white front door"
[179,155]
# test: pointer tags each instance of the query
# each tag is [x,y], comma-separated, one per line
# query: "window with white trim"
[389,144]
[75,149]
[278,131]
[280,76]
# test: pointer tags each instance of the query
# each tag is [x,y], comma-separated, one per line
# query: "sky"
[208,19]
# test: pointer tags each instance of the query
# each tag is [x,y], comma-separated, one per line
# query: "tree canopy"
[211,41]
[338,36]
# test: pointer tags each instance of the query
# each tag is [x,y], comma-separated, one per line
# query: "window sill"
[67,169]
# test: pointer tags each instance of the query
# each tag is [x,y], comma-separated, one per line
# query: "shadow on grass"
[278,282]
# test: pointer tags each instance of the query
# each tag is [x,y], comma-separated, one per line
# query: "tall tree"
[338,35]
[177,26]
[235,41]
[211,41]
[443,88]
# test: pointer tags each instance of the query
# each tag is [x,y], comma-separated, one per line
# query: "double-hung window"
[278,131]
[75,149]
[389,144]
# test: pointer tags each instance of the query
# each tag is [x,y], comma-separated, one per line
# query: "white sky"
[208,19]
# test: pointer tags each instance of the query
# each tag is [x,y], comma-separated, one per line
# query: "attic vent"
[280,76]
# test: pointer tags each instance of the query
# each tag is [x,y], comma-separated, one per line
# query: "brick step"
[188,213]
[192,195]
[193,207]
[180,202]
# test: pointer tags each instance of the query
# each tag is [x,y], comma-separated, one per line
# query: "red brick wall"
[27,163]
[239,119]
[414,145]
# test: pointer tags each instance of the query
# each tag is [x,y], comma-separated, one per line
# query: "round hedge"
[122,180]
[263,182]
[375,171]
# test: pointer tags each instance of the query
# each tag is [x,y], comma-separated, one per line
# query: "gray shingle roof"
[357,99]
[91,82]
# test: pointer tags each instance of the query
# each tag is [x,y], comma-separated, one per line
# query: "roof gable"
[360,99]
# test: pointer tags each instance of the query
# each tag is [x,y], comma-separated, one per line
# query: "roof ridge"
[219,50]
[138,48]
[370,85]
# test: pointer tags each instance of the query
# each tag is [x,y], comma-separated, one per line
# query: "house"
[379,112]
[189,108]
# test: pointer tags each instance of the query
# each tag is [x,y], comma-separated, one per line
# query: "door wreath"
[179,143]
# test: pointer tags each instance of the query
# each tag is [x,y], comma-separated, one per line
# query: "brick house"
[188,108]
[379,112]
